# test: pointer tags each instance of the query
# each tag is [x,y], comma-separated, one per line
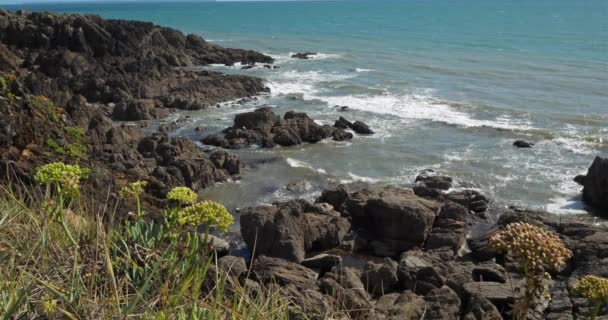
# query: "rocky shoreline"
[81,89]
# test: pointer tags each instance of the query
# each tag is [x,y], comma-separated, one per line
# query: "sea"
[446,85]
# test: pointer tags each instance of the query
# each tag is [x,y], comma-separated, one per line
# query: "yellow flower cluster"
[49,305]
[11,78]
[66,176]
[595,289]
[207,213]
[536,248]
[133,190]
[182,195]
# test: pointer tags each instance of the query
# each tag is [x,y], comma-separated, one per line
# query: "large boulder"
[393,220]
[595,184]
[290,229]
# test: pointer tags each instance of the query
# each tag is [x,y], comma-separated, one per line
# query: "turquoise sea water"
[446,84]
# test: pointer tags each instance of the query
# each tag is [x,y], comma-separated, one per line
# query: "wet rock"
[523,144]
[298,186]
[336,197]
[303,55]
[361,128]
[342,123]
[433,181]
[595,184]
[290,229]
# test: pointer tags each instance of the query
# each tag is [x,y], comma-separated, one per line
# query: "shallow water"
[447,85]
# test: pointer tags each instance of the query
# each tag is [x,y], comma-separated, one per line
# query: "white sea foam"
[294,163]
[421,106]
[363,70]
[304,82]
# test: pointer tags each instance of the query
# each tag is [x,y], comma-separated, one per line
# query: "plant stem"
[596,310]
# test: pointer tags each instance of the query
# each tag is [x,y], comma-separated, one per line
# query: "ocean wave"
[305,82]
[360,70]
[294,163]
[422,106]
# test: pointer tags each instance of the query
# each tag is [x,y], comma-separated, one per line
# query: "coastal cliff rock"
[595,185]
[264,128]
[71,80]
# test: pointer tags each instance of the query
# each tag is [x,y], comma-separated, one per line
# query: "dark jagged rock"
[264,128]
[431,180]
[357,126]
[595,184]
[395,219]
[523,144]
[361,128]
[303,55]
[291,229]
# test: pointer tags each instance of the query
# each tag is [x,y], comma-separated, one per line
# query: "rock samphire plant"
[537,251]
[595,289]
[62,182]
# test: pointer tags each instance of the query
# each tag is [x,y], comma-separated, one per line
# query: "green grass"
[134,269]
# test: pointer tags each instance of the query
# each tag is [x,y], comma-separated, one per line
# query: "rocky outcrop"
[426,271]
[303,55]
[121,61]
[264,128]
[523,144]
[595,185]
[72,76]
[357,126]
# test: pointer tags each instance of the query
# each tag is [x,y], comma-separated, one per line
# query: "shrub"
[537,251]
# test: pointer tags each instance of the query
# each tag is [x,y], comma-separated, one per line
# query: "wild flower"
[537,251]
[134,190]
[182,195]
[595,289]
[64,176]
[208,213]
[11,77]
[49,305]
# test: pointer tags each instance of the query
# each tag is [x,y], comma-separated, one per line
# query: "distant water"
[447,85]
